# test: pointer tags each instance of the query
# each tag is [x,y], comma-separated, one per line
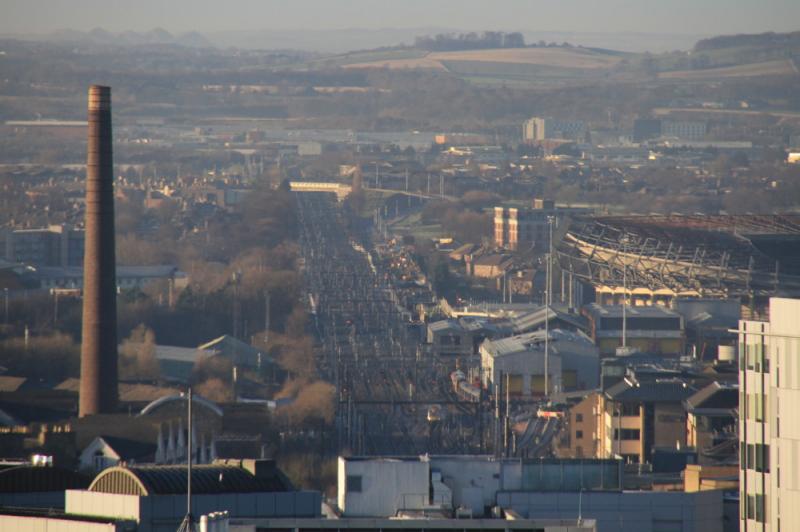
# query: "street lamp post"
[546,347]
[550,220]
[624,293]
[548,301]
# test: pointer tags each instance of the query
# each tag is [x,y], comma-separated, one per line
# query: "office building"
[655,330]
[538,129]
[52,246]
[769,423]
[642,413]
[646,128]
[683,129]
[525,228]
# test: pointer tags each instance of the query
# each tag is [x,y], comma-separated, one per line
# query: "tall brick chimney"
[99,334]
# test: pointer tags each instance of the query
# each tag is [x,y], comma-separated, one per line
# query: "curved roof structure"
[196,399]
[725,255]
[171,480]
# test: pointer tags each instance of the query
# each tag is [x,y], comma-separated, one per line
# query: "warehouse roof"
[666,390]
[716,398]
[536,319]
[28,478]
[615,311]
[534,341]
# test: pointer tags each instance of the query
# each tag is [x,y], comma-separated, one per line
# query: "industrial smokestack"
[99,338]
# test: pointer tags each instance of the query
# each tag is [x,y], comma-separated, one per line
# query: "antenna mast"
[187,525]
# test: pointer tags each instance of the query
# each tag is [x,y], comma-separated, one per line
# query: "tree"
[137,355]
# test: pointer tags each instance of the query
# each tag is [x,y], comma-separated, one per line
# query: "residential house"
[109,451]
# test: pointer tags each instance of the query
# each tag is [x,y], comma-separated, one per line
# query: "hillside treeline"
[770,39]
[444,42]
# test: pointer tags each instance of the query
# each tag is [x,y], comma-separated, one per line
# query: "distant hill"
[760,40]
[541,66]
[99,36]
[729,56]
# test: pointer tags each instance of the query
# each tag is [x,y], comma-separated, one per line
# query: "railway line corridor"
[385,384]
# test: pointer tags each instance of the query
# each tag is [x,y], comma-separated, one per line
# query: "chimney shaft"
[99,334]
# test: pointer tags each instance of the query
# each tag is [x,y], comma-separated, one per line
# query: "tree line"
[444,42]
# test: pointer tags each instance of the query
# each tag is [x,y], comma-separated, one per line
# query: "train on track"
[464,389]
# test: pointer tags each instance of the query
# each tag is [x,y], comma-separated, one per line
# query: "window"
[626,434]
[354,483]
[758,355]
[630,409]
[450,339]
[761,514]
[578,434]
[751,506]
[742,505]
[759,452]
[742,406]
[751,456]
[759,406]
[761,458]
[578,418]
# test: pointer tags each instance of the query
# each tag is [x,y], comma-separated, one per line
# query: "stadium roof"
[720,255]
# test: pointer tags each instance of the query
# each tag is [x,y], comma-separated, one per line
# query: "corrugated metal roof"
[171,480]
[533,341]
[536,319]
[615,311]
[657,391]
[29,478]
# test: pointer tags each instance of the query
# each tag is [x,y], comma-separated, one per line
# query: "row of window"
[627,409]
[755,457]
[753,407]
[626,434]
[450,339]
[753,507]
[755,357]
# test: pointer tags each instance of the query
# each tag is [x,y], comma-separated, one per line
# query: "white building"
[378,487]
[769,422]
[537,128]
[476,486]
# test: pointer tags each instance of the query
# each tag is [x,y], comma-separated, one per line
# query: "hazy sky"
[651,16]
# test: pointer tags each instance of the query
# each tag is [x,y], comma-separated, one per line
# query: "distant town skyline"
[647,16]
